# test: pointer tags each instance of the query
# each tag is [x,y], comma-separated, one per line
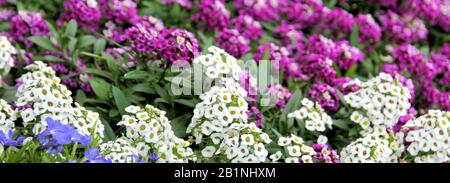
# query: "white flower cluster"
[150,132]
[295,150]
[41,95]
[314,117]
[373,148]
[220,106]
[7,117]
[219,64]
[429,138]
[239,143]
[119,151]
[380,103]
[6,54]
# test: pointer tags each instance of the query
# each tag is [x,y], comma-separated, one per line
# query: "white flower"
[208,151]
[275,157]
[294,151]
[428,137]
[292,160]
[149,126]
[371,148]
[219,64]
[307,103]
[6,55]
[380,102]
[322,139]
[132,109]
[119,151]
[247,139]
[283,141]
[313,115]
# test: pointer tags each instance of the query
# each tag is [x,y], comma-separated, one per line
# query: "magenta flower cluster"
[86,12]
[213,14]
[26,24]
[233,42]
[119,11]
[326,95]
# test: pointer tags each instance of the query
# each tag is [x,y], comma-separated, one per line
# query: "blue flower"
[8,140]
[58,134]
[153,156]
[93,156]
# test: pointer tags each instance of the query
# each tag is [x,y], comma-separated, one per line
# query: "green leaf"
[352,71]
[72,44]
[112,65]
[120,99]
[71,29]
[186,102]
[99,46]
[98,72]
[179,125]
[85,41]
[43,42]
[101,88]
[143,88]
[162,92]
[354,36]
[109,133]
[52,29]
[52,58]
[340,123]
[80,97]
[136,74]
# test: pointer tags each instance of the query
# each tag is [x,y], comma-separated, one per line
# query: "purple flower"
[150,22]
[8,140]
[369,30]
[305,13]
[249,84]
[93,156]
[86,13]
[213,14]
[27,24]
[442,66]
[6,15]
[177,44]
[153,157]
[258,117]
[280,94]
[403,28]
[57,134]
[434,11]
[248,27]
[324,154]
[288,34]
[444,100]
[326,96]
[408,58]
[144,40]
[232,42]
[279,56]
[119,11]
[184,3]
[261,10]
[339,21]
[318,44]
[345,85]
[318,67]
[348,55]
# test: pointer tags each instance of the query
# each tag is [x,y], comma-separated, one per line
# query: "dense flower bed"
[194,81]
